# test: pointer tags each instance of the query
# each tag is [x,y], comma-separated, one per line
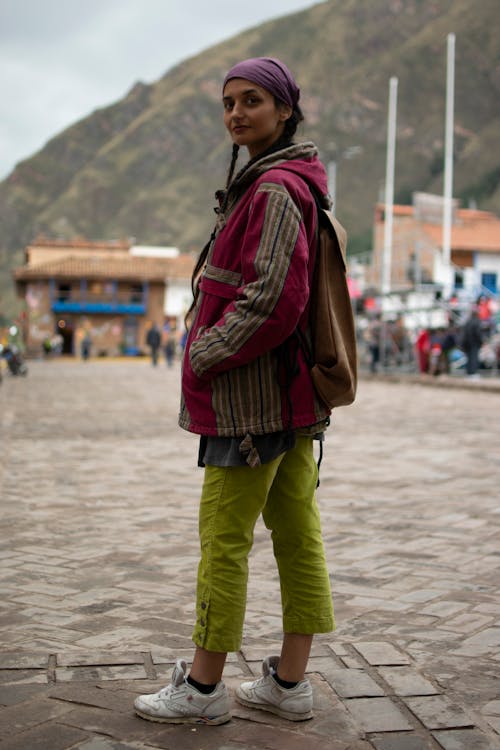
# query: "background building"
[417,248]
[108,291]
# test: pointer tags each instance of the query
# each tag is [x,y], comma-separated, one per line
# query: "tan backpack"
[332,355]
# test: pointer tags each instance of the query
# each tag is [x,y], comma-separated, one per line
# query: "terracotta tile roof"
[397,210]
[400,210]
[473,230]
[476,234]
[134,268]
[473,214]
[80,243]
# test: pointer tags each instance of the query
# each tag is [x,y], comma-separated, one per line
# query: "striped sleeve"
[274,258]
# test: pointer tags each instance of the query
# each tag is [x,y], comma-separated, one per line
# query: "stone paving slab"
[438,712]
[377,715]
[468,739]
[99,493]
[406,681]
[49,735]
[399,741]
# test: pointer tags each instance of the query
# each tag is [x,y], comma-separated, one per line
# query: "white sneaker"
[181,703]
[294,703]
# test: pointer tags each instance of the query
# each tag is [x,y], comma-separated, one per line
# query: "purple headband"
[271,74]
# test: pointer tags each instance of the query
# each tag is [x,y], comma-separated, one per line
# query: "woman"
[247,392]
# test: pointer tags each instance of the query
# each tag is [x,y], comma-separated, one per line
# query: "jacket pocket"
[221,282]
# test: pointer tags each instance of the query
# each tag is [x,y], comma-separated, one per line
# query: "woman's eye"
[249,101]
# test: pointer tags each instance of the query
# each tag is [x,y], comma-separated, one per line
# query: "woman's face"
[251,115]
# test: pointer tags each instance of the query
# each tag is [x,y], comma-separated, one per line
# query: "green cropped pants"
[231,502]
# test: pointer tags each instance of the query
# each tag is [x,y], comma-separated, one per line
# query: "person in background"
[374,332]
[153,340]
[423,349]
[248,393]
[169,341]
[86,345]
[401,341]
[448,344]
[46,346]
[471,341]
[484,313]
[436,351]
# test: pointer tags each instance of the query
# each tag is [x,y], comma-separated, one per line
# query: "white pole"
[448,159]
[332,184]
[389,185]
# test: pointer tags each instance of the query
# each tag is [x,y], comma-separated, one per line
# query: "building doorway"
[66,329]
[130,336]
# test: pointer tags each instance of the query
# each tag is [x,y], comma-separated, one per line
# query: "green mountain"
[148,165]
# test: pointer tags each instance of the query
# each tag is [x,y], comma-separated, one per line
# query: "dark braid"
[222,194]
[234,158]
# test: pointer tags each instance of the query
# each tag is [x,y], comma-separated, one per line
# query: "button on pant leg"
[292,515]
[231,502]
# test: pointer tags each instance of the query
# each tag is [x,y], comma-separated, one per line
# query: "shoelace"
[166,691]
[259,682]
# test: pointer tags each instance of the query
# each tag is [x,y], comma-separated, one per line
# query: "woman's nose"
[237,110]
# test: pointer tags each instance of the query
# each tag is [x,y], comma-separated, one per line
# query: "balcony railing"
[83,301]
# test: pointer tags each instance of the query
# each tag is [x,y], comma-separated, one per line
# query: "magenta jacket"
[254,292]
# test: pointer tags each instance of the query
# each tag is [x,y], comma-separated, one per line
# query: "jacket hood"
[300,158]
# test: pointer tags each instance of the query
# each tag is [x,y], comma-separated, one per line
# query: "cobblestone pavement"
[99,549]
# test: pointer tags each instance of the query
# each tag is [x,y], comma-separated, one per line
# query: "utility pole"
[448,160]
[389,185]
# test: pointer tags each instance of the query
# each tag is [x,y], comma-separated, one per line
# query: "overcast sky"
[61,59]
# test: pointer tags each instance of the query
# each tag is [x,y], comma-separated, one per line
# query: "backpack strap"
[304,344]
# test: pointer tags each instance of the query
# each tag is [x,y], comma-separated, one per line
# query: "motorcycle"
[15,362]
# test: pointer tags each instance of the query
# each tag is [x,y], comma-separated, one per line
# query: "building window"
[136,292]
[63,292]
[459,279]
[489,282]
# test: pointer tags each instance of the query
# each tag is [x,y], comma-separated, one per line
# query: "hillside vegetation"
[148,165]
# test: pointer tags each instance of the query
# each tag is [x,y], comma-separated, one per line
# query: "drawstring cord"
[319,459]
